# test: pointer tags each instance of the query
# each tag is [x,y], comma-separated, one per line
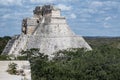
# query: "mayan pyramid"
[46,30]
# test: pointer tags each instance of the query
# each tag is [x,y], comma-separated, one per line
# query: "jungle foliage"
[102,63]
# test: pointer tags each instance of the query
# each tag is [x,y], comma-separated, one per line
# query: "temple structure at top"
[47,11]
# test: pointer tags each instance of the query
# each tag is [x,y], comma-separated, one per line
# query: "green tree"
[102,63]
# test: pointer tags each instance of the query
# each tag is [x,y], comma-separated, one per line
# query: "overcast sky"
[85,17]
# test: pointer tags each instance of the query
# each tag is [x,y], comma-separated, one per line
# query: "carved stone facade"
[48,31]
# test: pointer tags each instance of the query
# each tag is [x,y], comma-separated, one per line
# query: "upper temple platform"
[46,10]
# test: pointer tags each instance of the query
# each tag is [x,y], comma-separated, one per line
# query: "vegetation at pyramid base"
[102,63]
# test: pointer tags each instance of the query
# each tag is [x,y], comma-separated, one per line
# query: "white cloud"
[111,3]
[101,6]
[68,0]
[96,4]
[73,16]
[83,19]
[5,10]
[42,1]
[6,16]
[51,1]
[16,15]
[64,7]
[95,7]
[2,24]
[85,15]
[10,2]
[106,25]
[108,18]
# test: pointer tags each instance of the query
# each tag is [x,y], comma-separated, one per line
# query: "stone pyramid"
[46,30]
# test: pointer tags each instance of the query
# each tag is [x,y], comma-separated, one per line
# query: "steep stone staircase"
[9,45]
[15,45]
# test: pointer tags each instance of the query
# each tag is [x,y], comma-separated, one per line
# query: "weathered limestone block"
[55,13]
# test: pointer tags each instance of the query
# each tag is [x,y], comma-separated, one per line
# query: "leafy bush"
[22,58]
[12,68]
[3,57]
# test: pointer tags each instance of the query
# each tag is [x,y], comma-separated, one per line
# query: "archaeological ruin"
[46,30]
